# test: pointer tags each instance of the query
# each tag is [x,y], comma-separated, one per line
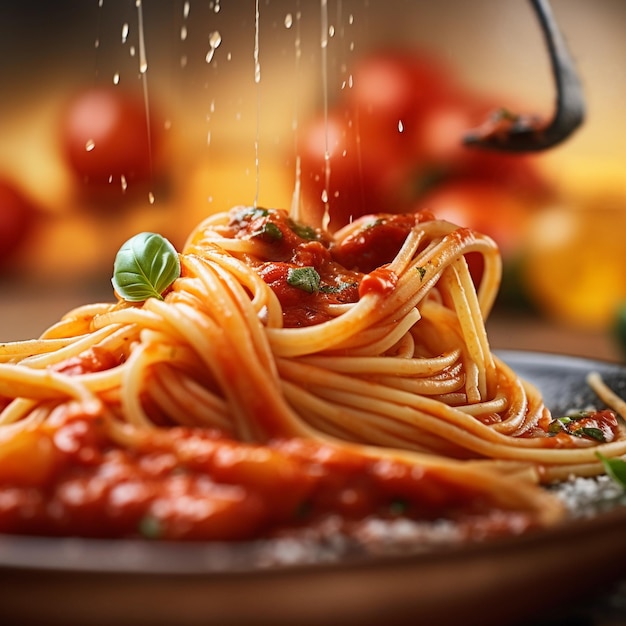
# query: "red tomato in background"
[106,138]
[360,180]
[391,86]
[371,138]
[484,207]
[17,219]
[491,210]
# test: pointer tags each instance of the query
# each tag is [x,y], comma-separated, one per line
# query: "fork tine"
[517,133]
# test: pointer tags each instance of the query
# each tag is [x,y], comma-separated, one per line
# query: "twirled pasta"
[389,362]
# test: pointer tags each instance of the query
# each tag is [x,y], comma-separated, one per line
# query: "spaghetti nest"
[371,340]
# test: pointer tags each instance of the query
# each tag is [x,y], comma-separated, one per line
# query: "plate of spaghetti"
[314,420]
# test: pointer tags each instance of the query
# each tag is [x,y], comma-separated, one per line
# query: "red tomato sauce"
[70,478]
[340,272]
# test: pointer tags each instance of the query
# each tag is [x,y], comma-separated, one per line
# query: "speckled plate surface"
[499,583]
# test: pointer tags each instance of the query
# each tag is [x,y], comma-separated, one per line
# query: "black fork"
[509,132]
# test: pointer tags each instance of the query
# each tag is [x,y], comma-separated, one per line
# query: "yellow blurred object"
[575,265]
[211,185]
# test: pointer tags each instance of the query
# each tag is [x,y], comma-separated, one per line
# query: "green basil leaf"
[145,266]
[305,278]
[615,468]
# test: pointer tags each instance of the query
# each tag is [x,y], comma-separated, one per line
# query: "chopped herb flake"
[592,433]
[555,427]
[302,230]
[269,232]
[422,272]
[336,288]
[305,278]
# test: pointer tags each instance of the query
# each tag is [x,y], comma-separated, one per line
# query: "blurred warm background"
[388,88]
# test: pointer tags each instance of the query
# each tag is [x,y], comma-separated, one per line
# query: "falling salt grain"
[90,145]
[288,20]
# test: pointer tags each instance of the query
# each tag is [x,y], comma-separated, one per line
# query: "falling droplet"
[215,39]
[257,64]
[400,126]
[150,197]
[90,144]
[143,61]
[124,182]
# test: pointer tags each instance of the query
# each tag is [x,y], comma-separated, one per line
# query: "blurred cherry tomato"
[17,218]
[364,176]
[106,137]
[370,137]
[396,86]
[492,210]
